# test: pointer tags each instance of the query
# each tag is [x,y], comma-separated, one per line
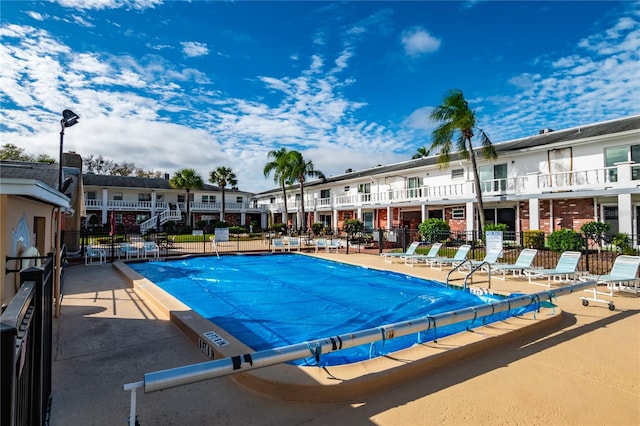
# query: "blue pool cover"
[269,301]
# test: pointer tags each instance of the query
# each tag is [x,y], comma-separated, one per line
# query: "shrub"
[623,243]
[565,240]
[433,230]
[353,226]
[595,231]
[279,227]
[317,227]
[533,239]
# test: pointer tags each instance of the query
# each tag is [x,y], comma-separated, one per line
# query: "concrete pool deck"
[585,370]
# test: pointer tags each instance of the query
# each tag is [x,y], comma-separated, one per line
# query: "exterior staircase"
[165,216]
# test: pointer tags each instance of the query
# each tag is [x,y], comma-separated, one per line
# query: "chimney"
[544,131]
[166,176]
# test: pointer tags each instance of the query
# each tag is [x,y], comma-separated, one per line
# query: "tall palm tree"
[186,179]
[421,152]
[458,121]
[223,176]
[279,165]
[300,170]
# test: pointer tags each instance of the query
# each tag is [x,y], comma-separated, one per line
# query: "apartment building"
[551,180]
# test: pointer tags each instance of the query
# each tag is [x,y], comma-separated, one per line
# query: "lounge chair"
[334,245]
[523,262]
[127,250]
[459,257]
[623,273]
[150,248]
[490,259]
[422,258]
[278,244]
[294,244]
[565,270]
[321,243]
[93,256]
[388,257]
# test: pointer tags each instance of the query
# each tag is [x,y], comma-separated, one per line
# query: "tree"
[13,152]
[186,179]
[421,152]
[459,121]
[300,170]
[279,165]
[223,176]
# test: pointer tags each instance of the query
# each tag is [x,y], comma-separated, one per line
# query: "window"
[620,154]
[346,189]
[208,198]
[91,195]
[457,213]
[272,200]
[493,178]
[364,188]
[457,174]
[239,200]
[117,196]
[142,218]
[181,198]
[144,196]
[325,193]
[414,184]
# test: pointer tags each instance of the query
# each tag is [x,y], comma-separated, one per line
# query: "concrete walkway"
[584,372]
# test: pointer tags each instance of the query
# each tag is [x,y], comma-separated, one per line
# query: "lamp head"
[69,118]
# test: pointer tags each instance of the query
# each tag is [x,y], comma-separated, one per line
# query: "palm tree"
[279,165]
[300,170]
[458,120]
[223,176]
[186,179]
[422,152]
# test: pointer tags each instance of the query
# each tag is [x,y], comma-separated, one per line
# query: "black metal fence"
[598,256]
[26,349]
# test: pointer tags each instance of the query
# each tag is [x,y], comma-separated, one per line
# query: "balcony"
[145,206]
[623,175]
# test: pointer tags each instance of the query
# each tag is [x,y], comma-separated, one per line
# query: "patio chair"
[565,270]
[150,248]
[127,250]
[523,262]
[278,244]
[334,245]
[422,258]
[459,257]
[623,273]
[321,243]
[294,244]
[490,259]
[94,256]
[388,257]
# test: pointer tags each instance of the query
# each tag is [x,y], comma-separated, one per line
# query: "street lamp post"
[69,118]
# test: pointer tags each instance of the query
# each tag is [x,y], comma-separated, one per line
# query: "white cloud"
[417,41]
[109,4]
[192,49]
[36,15]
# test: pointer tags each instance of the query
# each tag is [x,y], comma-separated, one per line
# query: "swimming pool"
[270,301]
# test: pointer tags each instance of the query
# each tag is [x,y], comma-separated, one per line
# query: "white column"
[423,212]
[389,218]
[153,202]
[105,209]
[470,216]
[534,214]
[625,214]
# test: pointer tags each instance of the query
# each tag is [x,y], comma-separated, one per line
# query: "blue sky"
[173,84]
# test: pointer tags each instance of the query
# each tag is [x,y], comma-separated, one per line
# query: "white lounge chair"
[150,248]
[490,259]
[422,258]
[294,244]
[334,245]
[388,257]
[93,256]
[278,244]
[623,273]
[127,250]
[523,262]
[321,243]
[565,270]
[459,257]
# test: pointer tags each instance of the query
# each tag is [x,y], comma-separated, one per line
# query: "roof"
[548,138]
[92,179]
[33,180]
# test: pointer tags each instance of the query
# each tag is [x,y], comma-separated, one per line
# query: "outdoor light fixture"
[69,118]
